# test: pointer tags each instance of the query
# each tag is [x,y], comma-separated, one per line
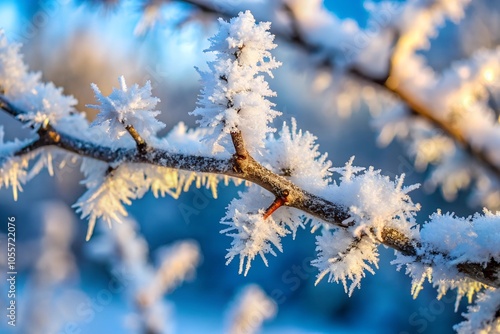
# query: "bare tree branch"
[252,171]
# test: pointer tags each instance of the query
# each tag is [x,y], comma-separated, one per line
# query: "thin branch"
[252,171]
[277,203]
[142,147]
[239,144]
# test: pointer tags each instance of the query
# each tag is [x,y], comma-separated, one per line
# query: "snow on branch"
[128,108]
[234,97]
[457,102]
[447,240]
[417,23]
[375,203]
[484,316]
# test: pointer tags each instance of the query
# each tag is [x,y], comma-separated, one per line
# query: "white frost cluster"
[452,240]
[483,317]
[43,103]
[473,239]
[15,80]
[134,106]
[374,202]
[110,189]
[252,234]
[251,308]
[106,195]
[343,258]
[443,276]
[13,171]
[295,155]
[234,97]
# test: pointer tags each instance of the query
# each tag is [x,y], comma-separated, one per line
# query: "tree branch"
[252,171]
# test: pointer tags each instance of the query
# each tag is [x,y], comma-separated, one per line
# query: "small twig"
[277,203]
[142,147]
[239,144]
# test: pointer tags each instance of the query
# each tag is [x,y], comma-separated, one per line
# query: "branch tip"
[142,147]
[277,203]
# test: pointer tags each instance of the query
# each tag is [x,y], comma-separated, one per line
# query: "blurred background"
[75,43]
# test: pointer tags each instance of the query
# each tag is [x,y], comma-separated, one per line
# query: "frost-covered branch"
[252,171]
[290,168]
[290,183]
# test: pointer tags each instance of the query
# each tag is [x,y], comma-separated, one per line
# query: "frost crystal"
[132,106]
[106,196]
[474,239]
[109,189]
[453,240]
[15,79]
[374,202]
[14,174]
[252,234]
[235,94]
[482,318]
[343,258]
[13,170]
[46,104]
[42,103]
[295,154]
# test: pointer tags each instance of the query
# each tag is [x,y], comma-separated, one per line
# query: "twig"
[277,203]
[142,147]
